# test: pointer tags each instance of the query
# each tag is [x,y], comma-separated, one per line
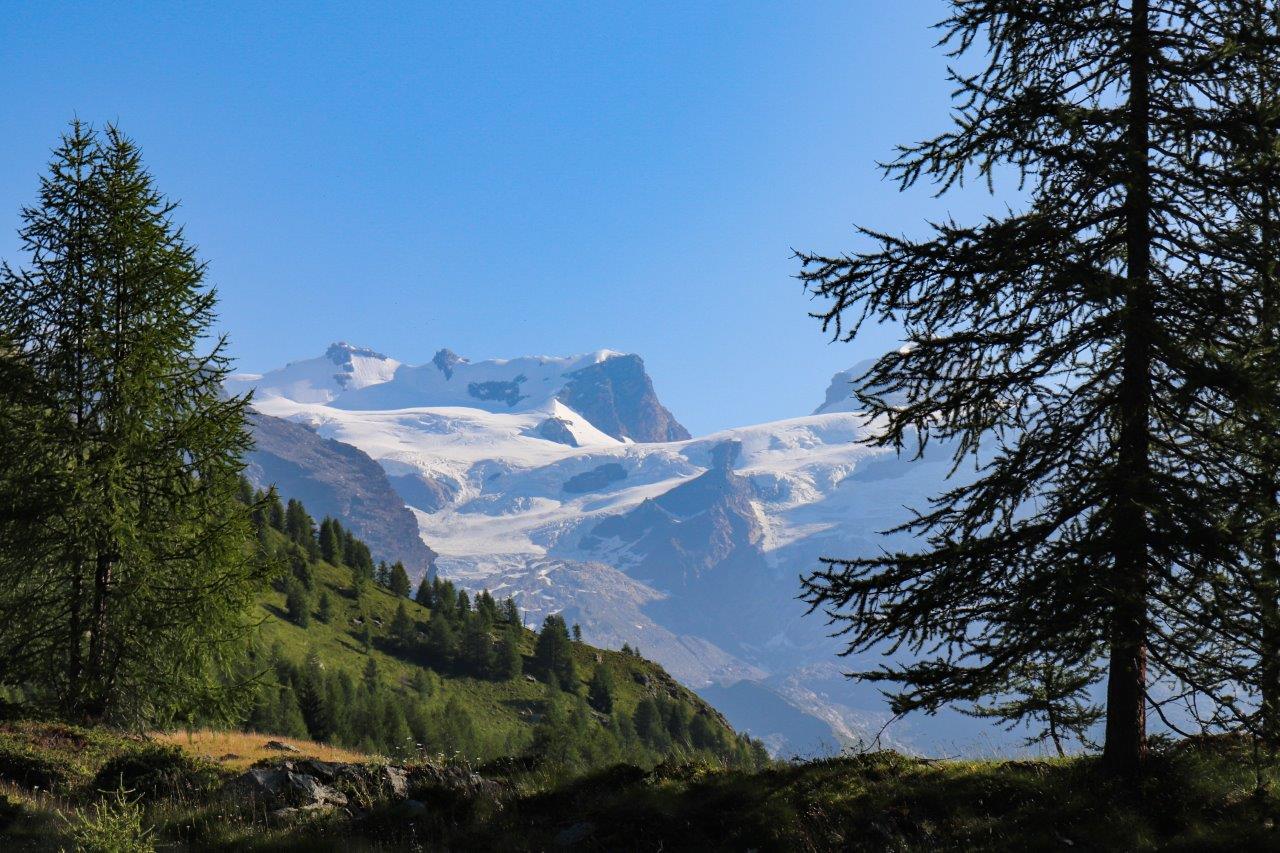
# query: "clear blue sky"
[507,179]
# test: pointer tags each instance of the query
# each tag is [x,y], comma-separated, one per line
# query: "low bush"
[157,771]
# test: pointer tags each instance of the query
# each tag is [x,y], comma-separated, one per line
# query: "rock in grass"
[282,787]
[280,746]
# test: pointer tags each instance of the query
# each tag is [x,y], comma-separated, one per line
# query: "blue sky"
[507,179]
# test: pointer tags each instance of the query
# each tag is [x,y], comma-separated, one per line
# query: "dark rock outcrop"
[505,392]
[284,787]
[596,479]
[340,354]
[337,480]
[445,360]
[617,396]
[557,430]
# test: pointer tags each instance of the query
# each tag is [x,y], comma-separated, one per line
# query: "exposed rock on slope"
[336,479]
[617,396]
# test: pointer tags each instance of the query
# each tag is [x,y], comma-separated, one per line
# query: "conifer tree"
[1052,698]
[324,610]
[477,646]
[109,316]
[442,643]
[313,699]
[553,654]
[403,631]
[297,603]
[511,612]
[423,595]
[297,524]
[601,689]
[508,662]
[398,580]
[330,541]
[1055,350]
[32,490]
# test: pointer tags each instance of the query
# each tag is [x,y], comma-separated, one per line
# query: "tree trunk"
[1125,746]
[75,634]
[96,705]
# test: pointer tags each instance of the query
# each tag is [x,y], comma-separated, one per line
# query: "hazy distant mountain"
[542,477]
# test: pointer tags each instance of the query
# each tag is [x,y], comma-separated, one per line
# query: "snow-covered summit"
[608,390]
[495,385]
[343,368]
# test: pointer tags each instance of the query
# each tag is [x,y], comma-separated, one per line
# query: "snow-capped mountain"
[342,368]
[565,482]
[609,389]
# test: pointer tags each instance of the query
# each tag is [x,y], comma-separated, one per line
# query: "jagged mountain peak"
[341,353]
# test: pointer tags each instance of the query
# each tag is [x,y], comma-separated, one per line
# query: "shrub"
[114,825]
[156,771]
[33,770]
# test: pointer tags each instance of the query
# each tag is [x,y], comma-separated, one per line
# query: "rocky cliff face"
[617,396]
[336,479]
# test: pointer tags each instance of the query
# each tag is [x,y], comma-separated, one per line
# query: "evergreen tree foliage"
[601,689]
[324,610]
[511,613]
[313,699]
[1240,204]
[32,488]
[423,595]
[398,580]
[553,654]
[275,510]
[508,662]
[153,576]
[1051,697]
[476,647]
[442,643]
[297,603]
[1060,352]
[297,524]
[649,724]
[403,632]
[330,538]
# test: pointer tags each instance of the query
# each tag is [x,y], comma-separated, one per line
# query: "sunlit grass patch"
[239,750]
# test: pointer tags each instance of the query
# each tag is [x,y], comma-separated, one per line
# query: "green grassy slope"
[504,712]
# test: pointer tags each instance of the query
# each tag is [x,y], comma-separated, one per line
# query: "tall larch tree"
[110,316]
[1053,351]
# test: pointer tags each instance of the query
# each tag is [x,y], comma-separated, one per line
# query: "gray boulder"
[283,788]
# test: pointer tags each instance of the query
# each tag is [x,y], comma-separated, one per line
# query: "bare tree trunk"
[1126,729]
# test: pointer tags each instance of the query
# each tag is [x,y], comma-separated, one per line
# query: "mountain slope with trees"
[353,656]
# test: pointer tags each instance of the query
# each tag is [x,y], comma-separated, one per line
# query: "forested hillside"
[351,657]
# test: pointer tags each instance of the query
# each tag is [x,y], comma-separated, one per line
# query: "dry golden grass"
[238,750]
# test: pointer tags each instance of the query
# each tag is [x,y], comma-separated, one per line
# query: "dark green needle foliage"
[1051,698]
[1058,352]
[398,582]
[144,593]
[553,654]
